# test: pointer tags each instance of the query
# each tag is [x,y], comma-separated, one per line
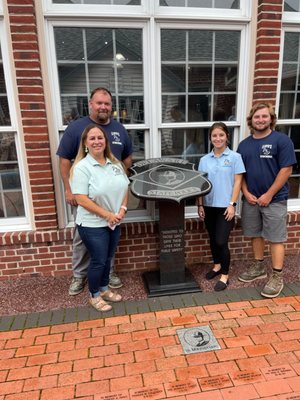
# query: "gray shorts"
[267,222]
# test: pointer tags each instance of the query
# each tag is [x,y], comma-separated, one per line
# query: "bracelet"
[124,208]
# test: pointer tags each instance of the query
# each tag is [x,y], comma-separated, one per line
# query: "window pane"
[233,4]
[291,46]
[4,110]
[224,107]
[210,68]
[99,44]
[225,78]
[200,78]
[174,108]
[292,5]
[88,58]
[70,78]
[170,52]
[69,44]
[200,45]
[286,105]
[11,204]
[188,144]
[199,108]
[173,78]
[293,131]
[288,80]
[227,46]
[289,106]
[110,2]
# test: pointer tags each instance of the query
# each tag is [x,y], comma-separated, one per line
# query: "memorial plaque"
[185,387]
[197,339]
[149,393]
[169,181]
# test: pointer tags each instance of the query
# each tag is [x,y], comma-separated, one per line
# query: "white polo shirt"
[105,184]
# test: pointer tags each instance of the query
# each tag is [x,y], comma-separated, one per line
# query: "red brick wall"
[47,251]
[33,114]
[269,18]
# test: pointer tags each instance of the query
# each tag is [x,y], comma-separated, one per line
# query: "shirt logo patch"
[116,136]
[116,170]
[227,162]
[266,151]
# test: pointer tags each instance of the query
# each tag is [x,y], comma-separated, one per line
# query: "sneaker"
[76,286]
[114,281]
[255,271]
[274,285]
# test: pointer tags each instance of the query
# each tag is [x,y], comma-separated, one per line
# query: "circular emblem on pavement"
[196,337]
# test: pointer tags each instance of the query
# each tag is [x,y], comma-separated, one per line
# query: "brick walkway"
[135,353]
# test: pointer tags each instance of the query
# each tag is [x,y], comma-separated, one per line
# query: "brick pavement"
[136,354]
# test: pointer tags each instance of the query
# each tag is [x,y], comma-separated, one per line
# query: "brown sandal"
[99,304]
[111,296]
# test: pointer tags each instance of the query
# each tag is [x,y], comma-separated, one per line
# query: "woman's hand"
[229,213]
[113,219]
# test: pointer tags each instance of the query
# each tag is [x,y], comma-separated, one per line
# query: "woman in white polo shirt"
[225,170]
[100,186]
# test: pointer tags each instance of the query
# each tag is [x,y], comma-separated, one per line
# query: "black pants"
[219,230]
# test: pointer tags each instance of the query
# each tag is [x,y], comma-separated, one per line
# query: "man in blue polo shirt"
[268,156]
[100,106]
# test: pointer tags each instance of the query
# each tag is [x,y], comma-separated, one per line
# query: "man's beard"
[103,117]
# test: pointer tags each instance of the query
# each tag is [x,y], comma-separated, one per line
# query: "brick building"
[173,66]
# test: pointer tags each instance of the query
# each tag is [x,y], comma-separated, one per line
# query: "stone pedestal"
[169,182]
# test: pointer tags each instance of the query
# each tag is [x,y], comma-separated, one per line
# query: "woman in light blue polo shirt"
[100,186]
[225,170]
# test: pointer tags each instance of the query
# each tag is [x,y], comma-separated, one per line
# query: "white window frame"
[150,18]
[243,13]
[293,204]
[133,215]
[86,10]
[240,125]
[15,223]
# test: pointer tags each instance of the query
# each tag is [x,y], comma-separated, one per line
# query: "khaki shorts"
[267,222]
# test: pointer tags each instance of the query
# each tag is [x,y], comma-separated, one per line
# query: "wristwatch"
[232,203]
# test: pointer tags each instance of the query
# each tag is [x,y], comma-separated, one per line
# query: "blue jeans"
[101,244]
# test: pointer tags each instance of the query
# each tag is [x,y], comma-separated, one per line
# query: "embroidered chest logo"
[116,137]
[116,170]
[227,162]
[266,151]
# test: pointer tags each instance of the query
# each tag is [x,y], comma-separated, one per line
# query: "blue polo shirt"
[105,184]
[221,171]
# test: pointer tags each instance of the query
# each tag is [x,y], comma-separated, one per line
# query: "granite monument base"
[155,288]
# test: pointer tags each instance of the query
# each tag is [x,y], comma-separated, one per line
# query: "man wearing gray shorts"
[268,156]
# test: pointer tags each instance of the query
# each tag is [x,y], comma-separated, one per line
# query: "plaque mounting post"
[169,181]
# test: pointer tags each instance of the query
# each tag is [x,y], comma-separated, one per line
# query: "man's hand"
[250,198]
[264,200]
[70,198]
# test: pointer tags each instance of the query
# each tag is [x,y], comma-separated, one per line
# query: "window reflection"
[11,204]
[292,5]
[289,106]
[108,2]
[93,57]
[231,4]
[200,74]
[189,144]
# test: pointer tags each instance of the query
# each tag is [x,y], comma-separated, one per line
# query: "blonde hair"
[81,150]
[260,106]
